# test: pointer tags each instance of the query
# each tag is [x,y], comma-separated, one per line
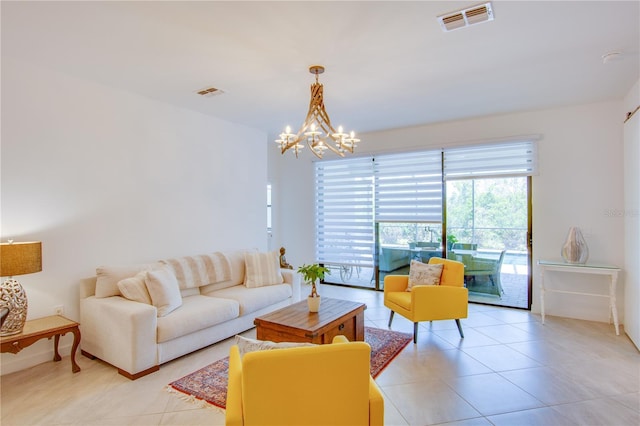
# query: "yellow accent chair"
[449,300]
[307,385]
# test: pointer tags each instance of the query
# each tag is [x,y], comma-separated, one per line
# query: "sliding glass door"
[375,214]
[488,226]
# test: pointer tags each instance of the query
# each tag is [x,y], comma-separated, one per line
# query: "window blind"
[515,158]
[344,212]
[408,187]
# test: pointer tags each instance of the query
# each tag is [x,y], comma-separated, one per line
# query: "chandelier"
[317,130]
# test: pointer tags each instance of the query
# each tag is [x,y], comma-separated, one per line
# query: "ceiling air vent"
[466,17]
[209,92]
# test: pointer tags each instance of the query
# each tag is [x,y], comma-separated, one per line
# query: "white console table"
[587,268]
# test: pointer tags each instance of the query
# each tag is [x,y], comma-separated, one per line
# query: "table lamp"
[16,259]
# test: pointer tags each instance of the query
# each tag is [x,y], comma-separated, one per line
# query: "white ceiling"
[388,64]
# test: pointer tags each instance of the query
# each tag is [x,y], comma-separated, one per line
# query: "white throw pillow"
[424,274]
[246,345]
[135,288]
[164,290]
[262,269]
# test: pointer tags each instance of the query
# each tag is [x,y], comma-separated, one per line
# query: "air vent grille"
[210,91]
[466,17]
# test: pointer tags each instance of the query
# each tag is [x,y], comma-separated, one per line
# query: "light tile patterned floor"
[508,370]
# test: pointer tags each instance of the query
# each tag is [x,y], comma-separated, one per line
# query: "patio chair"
[464,246]
[476,266]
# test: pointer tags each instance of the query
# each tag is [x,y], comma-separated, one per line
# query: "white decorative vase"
[575,248]
[314,303]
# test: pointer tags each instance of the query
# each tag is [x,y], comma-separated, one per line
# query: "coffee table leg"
[359,337]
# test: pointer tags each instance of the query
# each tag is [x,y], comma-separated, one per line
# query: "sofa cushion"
[135,288]
[164,291]
[196,313]
[109,276]
[236,263]
[262,269]
[253,299]
[196,271]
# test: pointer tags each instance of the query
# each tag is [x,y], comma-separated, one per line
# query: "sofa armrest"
[87,287]
[293,278]
[233,414]
[396,283]
[376,401]
[120,331]
[376,404]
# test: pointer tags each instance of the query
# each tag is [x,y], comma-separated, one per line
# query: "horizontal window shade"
[344,212]
[408,187]
[488,161]
[353,193]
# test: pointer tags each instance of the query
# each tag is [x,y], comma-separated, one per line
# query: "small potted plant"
[451,240]
[311,274]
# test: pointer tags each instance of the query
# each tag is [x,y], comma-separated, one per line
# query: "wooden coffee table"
[296,324]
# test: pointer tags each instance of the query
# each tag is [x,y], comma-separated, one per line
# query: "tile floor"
[509,370]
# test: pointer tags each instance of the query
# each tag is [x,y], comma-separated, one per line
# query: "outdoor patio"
[513,277]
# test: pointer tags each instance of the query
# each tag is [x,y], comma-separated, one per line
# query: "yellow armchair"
[449,300]
[310,385]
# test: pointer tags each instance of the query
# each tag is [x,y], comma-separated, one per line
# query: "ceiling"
[388,63]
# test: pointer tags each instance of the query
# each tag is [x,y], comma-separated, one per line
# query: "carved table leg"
[56,355]
[76,341]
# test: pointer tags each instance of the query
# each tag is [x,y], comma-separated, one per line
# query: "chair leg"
[415,332]
[391,318]
[459,328]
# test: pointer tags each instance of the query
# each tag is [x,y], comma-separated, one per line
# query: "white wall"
[580,181]
[106,177]
[631,215]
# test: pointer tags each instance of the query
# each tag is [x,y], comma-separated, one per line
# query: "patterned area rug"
[209,384]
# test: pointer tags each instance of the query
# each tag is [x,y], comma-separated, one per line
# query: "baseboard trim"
[37,354]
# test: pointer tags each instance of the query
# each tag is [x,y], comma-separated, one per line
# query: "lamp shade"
[20,258]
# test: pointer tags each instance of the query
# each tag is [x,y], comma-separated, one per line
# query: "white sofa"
[135,334]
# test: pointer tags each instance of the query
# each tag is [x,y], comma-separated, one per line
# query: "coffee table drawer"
[346,328]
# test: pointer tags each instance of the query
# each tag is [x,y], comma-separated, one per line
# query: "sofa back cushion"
[237,269]
[262,269]
[109,276]
[196,271]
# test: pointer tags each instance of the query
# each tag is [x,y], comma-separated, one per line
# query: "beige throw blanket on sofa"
[196,271]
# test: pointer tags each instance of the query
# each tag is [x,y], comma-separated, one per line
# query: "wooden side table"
[47,327]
